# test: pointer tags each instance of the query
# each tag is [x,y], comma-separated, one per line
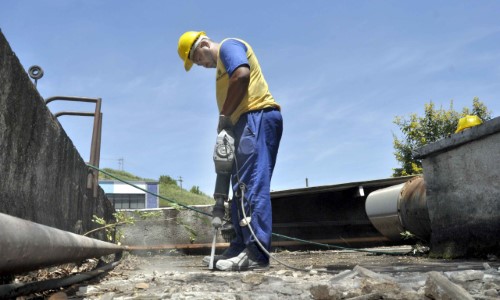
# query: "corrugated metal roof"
[339,187]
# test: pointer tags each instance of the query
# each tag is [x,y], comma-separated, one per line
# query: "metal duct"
[26,246]
[400,208]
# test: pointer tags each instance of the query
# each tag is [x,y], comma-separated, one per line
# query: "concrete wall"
[42,176]
[462,177]
[169,226]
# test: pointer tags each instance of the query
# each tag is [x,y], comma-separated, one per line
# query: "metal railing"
[95,147]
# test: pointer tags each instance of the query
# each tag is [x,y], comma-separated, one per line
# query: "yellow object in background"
[467,122]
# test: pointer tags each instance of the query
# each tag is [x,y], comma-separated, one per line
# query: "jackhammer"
[223,159]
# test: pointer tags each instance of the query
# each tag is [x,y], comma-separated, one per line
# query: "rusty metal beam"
[26,246]
[366,240]
[73,113]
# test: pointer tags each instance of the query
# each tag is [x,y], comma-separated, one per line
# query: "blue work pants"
[257,139]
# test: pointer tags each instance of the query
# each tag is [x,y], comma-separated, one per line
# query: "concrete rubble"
[351,275]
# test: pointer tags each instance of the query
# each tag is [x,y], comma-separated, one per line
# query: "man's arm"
[238,87]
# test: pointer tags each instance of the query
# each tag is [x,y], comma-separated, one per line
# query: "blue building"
[124,196]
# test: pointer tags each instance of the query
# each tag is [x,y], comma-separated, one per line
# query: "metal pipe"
[400,208]
[71,98]
[412,207]
[97,154]
[73,113]
[95,145]
[26,246]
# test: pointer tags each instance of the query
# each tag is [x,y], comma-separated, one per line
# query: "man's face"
[203,56]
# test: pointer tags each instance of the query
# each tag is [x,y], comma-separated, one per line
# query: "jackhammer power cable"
[154,194]
[248,223]
[8,291]
[328,246]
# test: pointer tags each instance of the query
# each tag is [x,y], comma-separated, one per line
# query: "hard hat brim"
[188,64]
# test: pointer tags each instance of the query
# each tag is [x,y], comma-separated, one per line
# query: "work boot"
[225,255]
[206,259]
[242,262]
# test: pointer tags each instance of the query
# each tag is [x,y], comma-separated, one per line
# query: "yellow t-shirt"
[258,95]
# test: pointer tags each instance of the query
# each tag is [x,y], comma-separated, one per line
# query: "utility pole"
[120,163]
[180,181]
[307,182]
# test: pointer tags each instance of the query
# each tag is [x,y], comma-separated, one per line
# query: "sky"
[341,71]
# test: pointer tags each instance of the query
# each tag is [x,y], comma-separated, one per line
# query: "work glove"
[224,123]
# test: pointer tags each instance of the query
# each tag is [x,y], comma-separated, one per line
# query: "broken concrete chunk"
[464,276]
[439,287]
[253,278]
[371,296]
[58,296]
[346,274]
[367,273]
[320,291]
[142,286]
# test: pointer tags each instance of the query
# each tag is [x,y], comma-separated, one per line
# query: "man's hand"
[224,123]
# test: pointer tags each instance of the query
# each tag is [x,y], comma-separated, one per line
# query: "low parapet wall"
[42,176]
[170,228]
[462,177]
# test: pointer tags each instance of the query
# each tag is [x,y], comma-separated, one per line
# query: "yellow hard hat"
[467,122]
[186,41]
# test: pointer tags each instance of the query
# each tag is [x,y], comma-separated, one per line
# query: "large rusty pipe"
[26,246]
[400,208]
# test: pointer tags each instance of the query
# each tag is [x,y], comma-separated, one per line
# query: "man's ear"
[204,43]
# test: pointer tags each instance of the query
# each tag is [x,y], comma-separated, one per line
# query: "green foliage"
[434,125]
[148,214]
[407,235]
[196,190]
[165,179]
[182,196]
[113,233]
[121,174]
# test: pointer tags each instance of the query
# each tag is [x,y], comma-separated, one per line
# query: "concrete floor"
[171,276]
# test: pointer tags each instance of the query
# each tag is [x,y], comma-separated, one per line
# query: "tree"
[165,179]
[196,190]
[434,125]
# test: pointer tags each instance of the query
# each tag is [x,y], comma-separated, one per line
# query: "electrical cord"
[328,246]
[146,191]
[9,291]
[242,188]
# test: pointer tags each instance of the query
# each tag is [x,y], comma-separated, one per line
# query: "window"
[126,201]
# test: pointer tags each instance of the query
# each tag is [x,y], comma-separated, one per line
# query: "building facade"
[124,196]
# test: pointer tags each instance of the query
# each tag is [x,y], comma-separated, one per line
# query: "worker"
[247,107]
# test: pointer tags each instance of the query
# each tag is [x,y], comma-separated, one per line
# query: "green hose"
[328,246]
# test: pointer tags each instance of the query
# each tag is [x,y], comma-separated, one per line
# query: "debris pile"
[158,278]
